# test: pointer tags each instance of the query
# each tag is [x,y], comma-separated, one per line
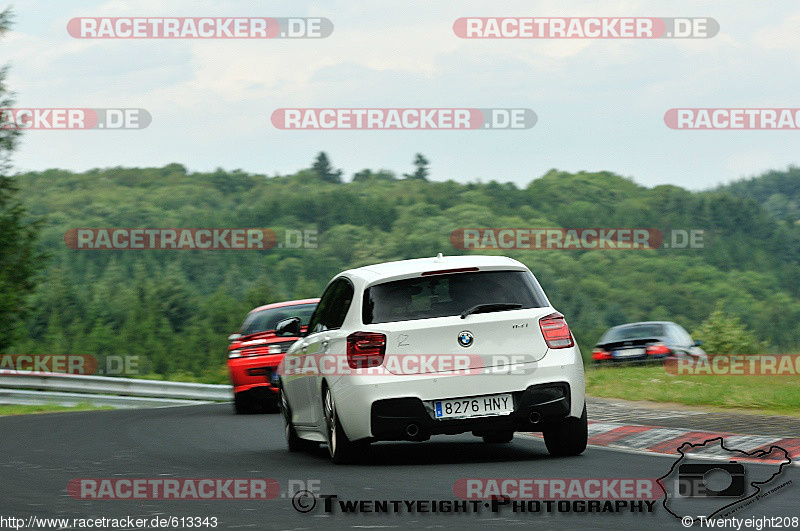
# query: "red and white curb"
[666,441]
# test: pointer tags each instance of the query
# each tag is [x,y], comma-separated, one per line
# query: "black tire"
[242,404]
[293,441]
[569,437]
[498,438]
[341,449]
[273,405]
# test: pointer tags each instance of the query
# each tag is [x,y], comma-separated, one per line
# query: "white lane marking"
[645,439]
[750,442]
[597,428]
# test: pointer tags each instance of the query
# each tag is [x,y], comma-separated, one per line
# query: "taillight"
[600,354]
[556,331]
[365,349]
[657,348]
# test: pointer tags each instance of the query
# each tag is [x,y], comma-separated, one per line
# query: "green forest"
[174,309]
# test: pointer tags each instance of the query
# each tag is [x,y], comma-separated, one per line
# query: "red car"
[255,352]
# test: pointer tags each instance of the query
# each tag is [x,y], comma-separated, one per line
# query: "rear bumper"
[253,373]
[378,407]
[412,419]
[630,360]
[263,388]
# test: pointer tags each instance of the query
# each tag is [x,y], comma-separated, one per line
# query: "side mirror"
[698,343]
[234,337]
[288,327]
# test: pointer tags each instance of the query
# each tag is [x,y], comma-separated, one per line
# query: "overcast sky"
[600,103]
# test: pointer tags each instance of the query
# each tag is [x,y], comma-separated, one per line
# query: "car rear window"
[448,294]
[639,331]
[267,319]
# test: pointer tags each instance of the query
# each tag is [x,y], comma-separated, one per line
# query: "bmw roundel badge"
[465,339]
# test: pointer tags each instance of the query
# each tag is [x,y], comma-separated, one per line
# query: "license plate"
[628,352]
[481,406]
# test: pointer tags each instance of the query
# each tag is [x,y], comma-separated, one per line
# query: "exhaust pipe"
[534,417]
[412,430]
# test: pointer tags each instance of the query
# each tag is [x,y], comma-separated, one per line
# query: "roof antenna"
[439,258]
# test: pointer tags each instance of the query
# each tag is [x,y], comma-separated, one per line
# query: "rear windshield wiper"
[491,307]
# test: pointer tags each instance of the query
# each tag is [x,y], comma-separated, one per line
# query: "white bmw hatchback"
[405,350]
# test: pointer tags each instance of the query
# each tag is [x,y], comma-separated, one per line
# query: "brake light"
[365,349]
[448,271]
[556,331]
[657,348]
[600,354]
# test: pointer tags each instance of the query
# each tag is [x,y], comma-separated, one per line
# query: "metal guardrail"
[20,387]
[24,397]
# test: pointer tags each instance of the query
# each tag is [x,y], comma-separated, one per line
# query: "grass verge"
[13,409]
[770,395]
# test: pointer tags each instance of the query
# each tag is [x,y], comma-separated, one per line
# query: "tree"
[363,175]
[724,334]
[162,307]
[421,173]
[322,167]
[367,175]
[19,259]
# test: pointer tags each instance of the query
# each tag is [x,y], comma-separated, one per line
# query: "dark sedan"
[646,341]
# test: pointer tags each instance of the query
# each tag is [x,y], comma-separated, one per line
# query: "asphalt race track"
[42,453]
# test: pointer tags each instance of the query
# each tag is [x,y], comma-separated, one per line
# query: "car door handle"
[303,347]
[325,341]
